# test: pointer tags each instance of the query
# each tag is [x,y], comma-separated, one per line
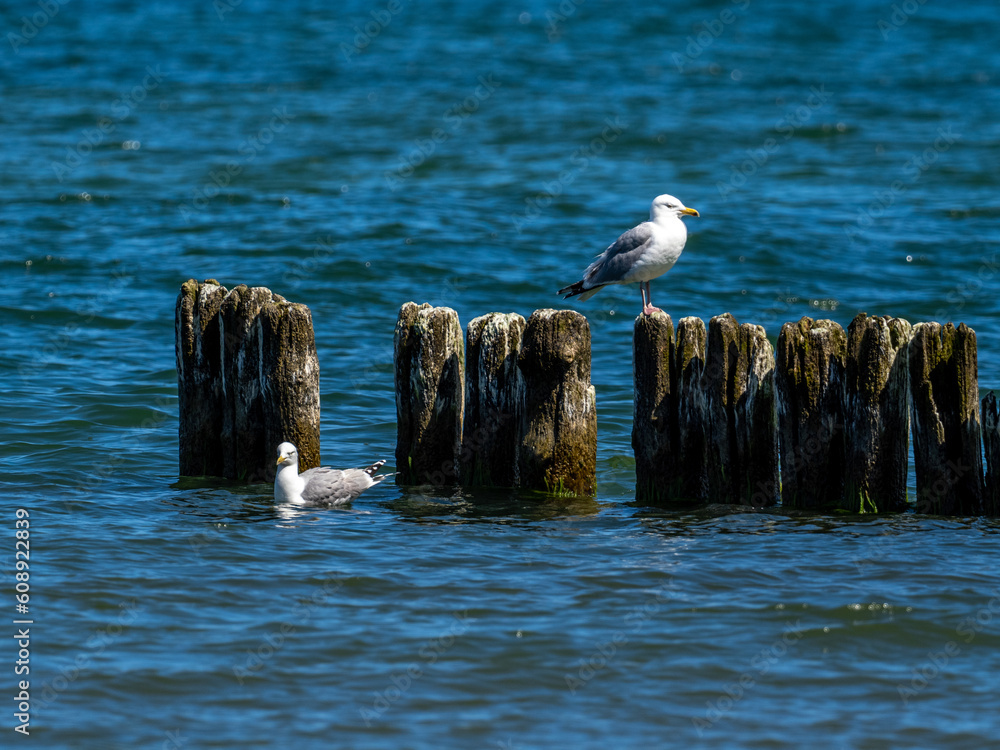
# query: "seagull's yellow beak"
[281,458]
[690,212]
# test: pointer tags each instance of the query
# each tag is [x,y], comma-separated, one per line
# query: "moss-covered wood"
[947,441]
[494,395]
[878,417]
[429,357]
[558,446]
[248,379]
[654,428]
[809,380]
[991,445]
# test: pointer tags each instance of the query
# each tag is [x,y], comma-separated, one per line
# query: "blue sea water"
[353,156]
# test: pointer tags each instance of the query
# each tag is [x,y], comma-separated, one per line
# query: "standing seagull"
[322,485]
[641,254]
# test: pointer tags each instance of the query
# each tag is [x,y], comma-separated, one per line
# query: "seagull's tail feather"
[579,289]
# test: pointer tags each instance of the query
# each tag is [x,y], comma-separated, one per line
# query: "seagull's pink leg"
[647,300]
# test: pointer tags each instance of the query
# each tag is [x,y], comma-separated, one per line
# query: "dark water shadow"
[494,505]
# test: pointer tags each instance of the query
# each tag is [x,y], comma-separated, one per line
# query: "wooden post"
[558,448]
[429,360]
[878,417]
[199,378]
[947,440]
[740,414]
[811,412]
[654,430]
[756,420]
[494,394]
[991,440]
[289,394]
[243,386]
[690,459]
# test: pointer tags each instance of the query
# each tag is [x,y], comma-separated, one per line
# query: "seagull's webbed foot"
[649,310]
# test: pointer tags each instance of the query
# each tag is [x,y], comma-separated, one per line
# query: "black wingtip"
[370,471]
[573,289]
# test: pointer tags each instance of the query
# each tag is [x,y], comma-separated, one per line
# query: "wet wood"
[654,429]
[947,440]
[742,452]
[429,359]
[248,379]
[690,456]
[558,445]
[494,397]
[878,417]
[809,379]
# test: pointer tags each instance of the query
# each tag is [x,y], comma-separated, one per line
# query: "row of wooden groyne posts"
[823,422]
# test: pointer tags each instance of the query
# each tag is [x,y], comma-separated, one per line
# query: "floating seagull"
[641,254]
[322,485]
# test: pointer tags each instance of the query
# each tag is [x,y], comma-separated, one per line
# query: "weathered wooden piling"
[558,446]
[248,379]
[947,440]
[742,450]
[809,379]
[991,445]
[878,417]
[429,358]
[690,459]
[494,396]
[655,443]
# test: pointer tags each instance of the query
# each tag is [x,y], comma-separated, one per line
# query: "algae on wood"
[878,417]
[558,447]
[809,380]
[494,394]
[947,440]
[429,358]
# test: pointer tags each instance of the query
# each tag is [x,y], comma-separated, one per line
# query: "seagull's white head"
[667,206]
[287,454]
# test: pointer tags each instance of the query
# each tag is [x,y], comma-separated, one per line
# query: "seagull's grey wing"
[614,263]
[326,486]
